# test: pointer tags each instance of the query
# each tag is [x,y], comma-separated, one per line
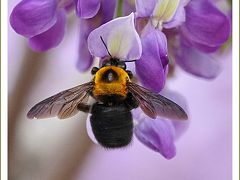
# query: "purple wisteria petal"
[87,8]
[85,59]
[151,68]
[158,135]
[145,8]
[120,37]
[105,14]
[206,28]
[196,62]
[32,17]
[50,38]
[107,10]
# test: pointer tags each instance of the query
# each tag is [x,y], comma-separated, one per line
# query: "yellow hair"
[117,87]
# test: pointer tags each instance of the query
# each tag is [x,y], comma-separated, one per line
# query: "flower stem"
[119,8]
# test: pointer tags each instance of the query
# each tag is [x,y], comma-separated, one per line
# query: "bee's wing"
[154,104]
[63,104]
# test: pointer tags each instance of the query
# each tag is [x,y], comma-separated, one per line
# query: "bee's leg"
[131,102]
[84,107]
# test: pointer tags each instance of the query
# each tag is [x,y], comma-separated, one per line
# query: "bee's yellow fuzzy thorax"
[116,87]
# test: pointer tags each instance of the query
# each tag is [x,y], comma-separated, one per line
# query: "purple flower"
[152,67]
[41,21]
[160,134]
[87,9]
[105,13]
[194,29]
[205,29]
[202,29]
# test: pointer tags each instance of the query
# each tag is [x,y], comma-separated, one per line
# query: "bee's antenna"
[105,46]
[131,60]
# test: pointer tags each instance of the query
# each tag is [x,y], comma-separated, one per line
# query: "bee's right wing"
[154,104]
[63,104]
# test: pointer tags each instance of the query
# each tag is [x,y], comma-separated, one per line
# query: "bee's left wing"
[63,104]
[154,104]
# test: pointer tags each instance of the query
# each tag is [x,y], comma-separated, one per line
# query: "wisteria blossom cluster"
[155,33]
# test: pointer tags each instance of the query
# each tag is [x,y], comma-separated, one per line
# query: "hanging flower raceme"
[194,29]
[41,21]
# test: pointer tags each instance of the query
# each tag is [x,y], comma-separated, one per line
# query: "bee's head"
[113,62]
[110,62]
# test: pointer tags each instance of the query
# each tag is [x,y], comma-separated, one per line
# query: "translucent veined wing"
[154,104]
[63,104]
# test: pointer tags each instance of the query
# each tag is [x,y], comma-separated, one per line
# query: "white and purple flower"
[121,38]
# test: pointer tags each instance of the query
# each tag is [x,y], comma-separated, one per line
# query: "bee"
[116,95]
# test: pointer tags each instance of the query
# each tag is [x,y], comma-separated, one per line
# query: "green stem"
[119,8]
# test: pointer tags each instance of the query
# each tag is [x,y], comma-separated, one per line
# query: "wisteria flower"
[152,67]
[204,31]
[194,29]
[96,15]
[121,38]
[161,134]
[41,21]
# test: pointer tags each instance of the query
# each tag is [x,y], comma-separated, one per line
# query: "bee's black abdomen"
[112,125]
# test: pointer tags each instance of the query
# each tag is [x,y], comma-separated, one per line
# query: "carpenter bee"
[111,119]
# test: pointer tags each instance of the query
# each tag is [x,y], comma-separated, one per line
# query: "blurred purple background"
[53,149]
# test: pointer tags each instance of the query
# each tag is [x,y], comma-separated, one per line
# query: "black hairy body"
[112,125]
[111,121]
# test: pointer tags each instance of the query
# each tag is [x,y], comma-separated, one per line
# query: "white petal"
[121,39]
[165,10]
